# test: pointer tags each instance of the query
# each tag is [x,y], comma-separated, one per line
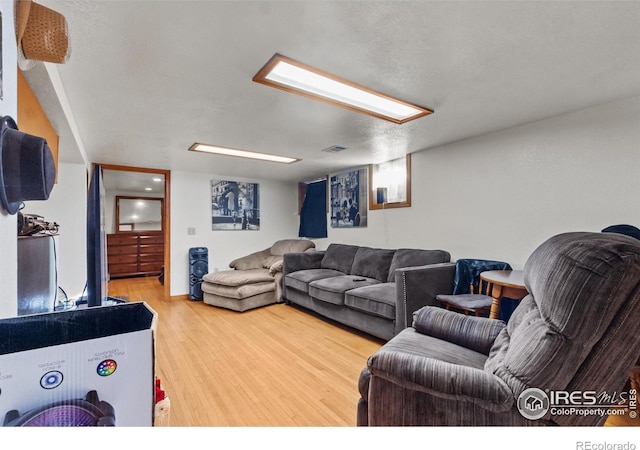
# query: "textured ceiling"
[146,79]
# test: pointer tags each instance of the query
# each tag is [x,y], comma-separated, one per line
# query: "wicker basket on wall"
[41,33]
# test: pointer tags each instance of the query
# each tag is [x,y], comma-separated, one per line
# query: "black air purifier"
[198,267]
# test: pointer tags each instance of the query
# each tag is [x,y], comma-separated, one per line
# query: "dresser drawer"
[122,239]
[154,248]
[122,259]
[122,250]
[151,257]
[118,269]
[157,239]
[150,267]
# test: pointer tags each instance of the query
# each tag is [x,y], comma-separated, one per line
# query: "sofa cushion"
[372,263]
[300,279]
[238,277]
[377,300]
[409,257]
[332,290]
[339,257]
[239,292]
[279,248]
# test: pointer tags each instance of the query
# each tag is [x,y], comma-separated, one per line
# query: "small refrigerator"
[37,283]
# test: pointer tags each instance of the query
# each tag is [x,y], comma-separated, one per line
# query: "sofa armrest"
[442,379]
[475,333]
[252,261]
[301,261]
[417,287]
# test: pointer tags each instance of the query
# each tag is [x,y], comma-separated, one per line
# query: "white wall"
[191,208]
[67,206]
[500,195]
[8,225]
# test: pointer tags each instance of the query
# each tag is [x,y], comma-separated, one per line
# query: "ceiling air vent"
[334,149]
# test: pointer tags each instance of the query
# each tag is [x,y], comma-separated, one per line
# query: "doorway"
[126,182]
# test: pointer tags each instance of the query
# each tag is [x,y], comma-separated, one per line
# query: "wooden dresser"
[135,253]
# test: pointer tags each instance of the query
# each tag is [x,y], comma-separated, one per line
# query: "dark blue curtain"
[313,215]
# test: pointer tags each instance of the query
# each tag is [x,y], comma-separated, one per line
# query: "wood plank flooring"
[272,366]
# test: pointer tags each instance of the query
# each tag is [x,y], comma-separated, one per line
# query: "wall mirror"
[390,184]
[138,214]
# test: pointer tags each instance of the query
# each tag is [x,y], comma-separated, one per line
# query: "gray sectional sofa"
[372,290]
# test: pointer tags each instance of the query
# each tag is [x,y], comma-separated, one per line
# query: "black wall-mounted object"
[198,267]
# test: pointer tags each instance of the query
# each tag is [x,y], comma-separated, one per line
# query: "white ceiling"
[146,79]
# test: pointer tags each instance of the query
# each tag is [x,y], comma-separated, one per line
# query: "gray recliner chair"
[575,332]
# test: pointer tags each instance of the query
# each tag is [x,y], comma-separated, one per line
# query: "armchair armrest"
[442,379]
[301,261]
[475,333]
[417,287]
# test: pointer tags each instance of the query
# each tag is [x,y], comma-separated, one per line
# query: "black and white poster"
[348,193]
[235,205]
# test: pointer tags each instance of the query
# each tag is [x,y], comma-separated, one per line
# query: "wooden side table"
[503,283]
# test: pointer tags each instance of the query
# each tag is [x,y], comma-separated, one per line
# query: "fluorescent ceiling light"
[241,153]
[289,75]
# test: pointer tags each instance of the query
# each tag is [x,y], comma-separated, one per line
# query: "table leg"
[496,293]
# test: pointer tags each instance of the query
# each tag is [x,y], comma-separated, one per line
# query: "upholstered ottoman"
[239,290]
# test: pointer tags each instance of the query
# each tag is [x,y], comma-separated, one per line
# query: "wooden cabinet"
[135,253]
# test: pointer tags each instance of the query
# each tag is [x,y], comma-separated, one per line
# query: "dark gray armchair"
[575,332]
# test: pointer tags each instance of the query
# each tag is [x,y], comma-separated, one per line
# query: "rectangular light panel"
[226,151]
[289,75]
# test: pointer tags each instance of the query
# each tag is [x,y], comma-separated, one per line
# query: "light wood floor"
[272,366]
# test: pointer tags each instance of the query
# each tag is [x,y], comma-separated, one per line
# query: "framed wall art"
[390,184]
[348,198]
[235,205]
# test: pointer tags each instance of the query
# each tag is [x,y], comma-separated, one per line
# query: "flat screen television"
[97,276]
